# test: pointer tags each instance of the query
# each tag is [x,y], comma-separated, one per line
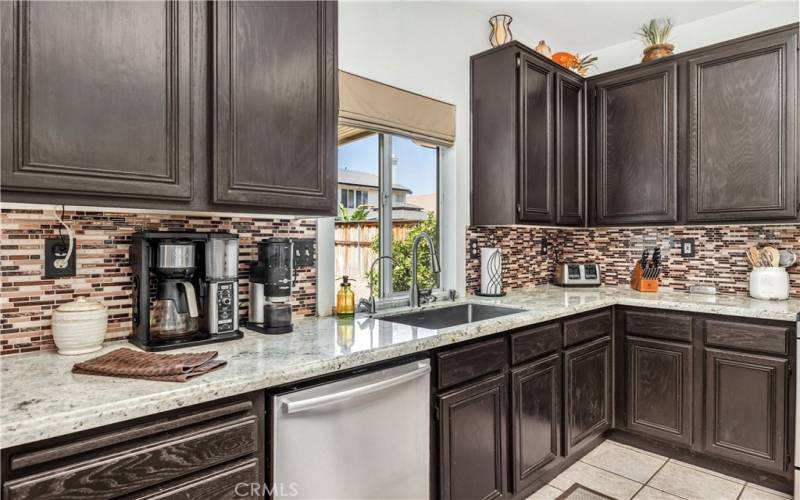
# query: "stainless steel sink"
[443,317]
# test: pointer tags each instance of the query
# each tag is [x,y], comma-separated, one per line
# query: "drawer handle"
[290,407]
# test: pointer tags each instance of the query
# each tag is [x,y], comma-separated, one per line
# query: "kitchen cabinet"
[636,137]
[101,111]
[527,139]
[743,130]
[203,106]
[536,418]
[275,105]
[658,381]
[473,440]
[745,406]
[587,392]
[196,451]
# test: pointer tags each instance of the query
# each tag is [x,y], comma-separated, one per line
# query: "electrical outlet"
[54,249]
[474,251]
[544,246]
[687,247]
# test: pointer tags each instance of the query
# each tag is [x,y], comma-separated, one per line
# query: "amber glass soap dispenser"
[345,300]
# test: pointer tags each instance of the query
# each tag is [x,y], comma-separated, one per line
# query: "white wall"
[734,23]
[423,47]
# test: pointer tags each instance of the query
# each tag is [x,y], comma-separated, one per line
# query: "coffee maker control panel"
[226,300]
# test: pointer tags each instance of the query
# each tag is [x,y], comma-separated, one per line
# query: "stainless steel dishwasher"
[362,437]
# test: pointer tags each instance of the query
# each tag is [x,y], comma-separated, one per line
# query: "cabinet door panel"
[636,165]
[743,133]
[587,392]
[536,418]
[745,401]
[537,165]
[275,105]
[659,380]
[569,149]
[473,434]
[98,98]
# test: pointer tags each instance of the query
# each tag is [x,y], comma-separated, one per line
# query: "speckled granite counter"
[40,398]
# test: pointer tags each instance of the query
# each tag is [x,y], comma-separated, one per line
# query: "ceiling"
[581,26]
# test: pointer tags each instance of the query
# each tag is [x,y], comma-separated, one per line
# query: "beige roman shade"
[369,105]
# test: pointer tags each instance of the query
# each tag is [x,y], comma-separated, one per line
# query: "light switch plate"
[687,247]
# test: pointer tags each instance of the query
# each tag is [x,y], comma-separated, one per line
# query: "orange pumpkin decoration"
[565,59]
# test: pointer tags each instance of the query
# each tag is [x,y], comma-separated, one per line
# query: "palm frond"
[655,32]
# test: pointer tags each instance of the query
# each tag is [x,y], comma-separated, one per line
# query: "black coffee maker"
[169,291]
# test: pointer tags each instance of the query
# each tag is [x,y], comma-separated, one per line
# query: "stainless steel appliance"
[362,437]
[271,287]
[220,292]
[170,291]
[578,275]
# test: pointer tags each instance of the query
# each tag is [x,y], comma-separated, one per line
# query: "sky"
[416,165]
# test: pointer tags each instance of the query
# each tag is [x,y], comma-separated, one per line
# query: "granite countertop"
[40,398]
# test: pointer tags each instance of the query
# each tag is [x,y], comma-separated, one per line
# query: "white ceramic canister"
[79,327]
[769,283]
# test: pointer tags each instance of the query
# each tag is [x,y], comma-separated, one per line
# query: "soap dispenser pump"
[345,300]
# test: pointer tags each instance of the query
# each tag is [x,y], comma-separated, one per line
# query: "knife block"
[641,284]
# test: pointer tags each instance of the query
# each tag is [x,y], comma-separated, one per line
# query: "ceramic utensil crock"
[79,327]
[769,283]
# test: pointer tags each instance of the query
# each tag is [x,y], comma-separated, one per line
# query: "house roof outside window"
[365,179]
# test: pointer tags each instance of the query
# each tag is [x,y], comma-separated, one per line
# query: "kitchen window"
[398,179]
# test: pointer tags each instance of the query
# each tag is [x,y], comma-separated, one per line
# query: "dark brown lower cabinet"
[659,389]
[473,435]
[536,418]
[746,402]
[587,392]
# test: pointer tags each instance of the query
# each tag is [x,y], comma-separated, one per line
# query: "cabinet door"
[743,131]
[536,418]
[537,162]
[659,385]
[745,400]
[473,434]
[636,142]
[569,149]
[275,107]
[97,98]
[587,392]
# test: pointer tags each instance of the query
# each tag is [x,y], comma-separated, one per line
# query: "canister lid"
[81,305]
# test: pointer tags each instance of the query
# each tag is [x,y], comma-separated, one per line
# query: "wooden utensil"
[773,256]
[754,256]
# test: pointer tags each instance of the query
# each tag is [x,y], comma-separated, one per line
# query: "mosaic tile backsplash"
[719,258]
[103,271]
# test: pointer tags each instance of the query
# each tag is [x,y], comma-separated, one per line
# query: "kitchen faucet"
[413,294]
[368,305]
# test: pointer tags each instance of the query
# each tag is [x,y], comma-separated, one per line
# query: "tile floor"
[624,472]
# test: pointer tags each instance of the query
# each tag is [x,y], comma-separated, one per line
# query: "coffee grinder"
[271,287]
[170,291]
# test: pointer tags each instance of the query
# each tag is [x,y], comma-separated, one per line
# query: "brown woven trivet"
[150,365]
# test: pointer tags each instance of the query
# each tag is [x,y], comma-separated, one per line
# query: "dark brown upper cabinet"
[275,105]
[743,130]
[527,139]
[636,165]
[570,141]
[100,111]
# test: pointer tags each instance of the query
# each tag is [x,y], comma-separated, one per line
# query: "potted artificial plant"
[655,36]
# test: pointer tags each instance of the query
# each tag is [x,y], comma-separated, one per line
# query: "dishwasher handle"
[290,407]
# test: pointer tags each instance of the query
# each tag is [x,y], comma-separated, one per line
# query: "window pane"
[356,239]
[415,209]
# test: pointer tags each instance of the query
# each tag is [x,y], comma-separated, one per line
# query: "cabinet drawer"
[142,464]
[226,481]
[472,361]
[532,343]
[747,336]
[658,325]
[587,328]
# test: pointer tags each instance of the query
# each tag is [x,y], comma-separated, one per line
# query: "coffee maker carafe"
[170,291]
[271,287]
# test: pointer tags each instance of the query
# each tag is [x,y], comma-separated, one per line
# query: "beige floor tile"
[546,492]
[648,493]
[597,479]
[756,492]
[622,445]
[707,471]
[624,461]
[691,483]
